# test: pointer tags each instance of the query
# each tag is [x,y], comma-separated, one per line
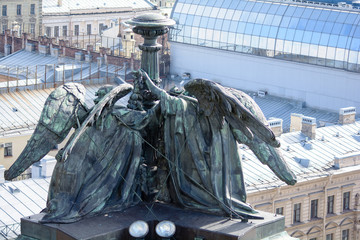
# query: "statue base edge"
[189,225]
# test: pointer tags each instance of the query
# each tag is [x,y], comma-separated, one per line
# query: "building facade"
[82,23]
[164,3]
[324,204]
[298,50]
[22,16]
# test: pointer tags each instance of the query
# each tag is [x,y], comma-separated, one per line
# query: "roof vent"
[337,134]
[308,146]
[323,138]
[261,93]
[14,190]
[14,109]
[288,148]
[302,161]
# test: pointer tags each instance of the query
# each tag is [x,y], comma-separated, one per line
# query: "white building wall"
[320,87]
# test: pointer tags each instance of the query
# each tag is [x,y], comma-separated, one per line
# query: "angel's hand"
[152,87]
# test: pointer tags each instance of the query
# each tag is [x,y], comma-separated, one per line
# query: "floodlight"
[165,229]
[139,229]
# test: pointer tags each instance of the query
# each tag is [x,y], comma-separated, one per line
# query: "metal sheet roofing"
[308,159]
[21,110]
[20,199]
[32,68]
[283,108]
[52,6]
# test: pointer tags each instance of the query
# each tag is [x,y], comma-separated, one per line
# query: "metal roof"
[20,199]
[27,197]
[32,68]
[21,110]
[277,107]
[51,6]
[308,159]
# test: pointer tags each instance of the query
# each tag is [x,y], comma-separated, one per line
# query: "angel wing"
[216,100]
[109,99]
[63,109]
[245,118]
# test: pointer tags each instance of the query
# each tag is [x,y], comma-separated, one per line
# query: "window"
[314,208]
[4,10]
[88,29]
[56,31]
[4,27]
[48,31]
[64,31]
[346,201]
[280,211]
[8,150]
[32,9]
[345,234]
[32,28]
[101,28]
[77,30]
[18,9]
[330,204]
[312,238]
[297,209]
[330,236]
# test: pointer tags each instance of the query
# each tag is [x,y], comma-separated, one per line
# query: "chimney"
[2,171]
[55,52]
[296,122]
[347,115]
[44,168]
[29,47]
[44,49]
[275,125]
[79,56]
[100,61]
[309,127]
[88,58]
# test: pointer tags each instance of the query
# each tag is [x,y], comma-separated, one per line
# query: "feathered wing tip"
[108,100]
[216,99]
[61,110]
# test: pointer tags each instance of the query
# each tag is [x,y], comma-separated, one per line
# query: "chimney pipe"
[296,122]
[275,125]
[347,115]
[309,127]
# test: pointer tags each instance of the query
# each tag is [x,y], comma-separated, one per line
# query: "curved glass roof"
[308,33]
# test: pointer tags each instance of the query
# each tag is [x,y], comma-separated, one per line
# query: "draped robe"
[101,172]
[204,164]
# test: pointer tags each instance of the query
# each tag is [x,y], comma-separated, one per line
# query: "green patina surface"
[180,149]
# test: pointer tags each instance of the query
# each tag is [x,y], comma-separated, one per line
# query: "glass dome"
[307,32]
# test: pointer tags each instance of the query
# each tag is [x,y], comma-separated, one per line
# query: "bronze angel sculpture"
[100,168]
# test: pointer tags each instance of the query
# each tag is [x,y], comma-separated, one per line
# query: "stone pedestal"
[189,225]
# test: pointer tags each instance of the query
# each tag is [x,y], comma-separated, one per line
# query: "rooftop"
[307,158]
[68,6]
[20,199]
[20,111]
